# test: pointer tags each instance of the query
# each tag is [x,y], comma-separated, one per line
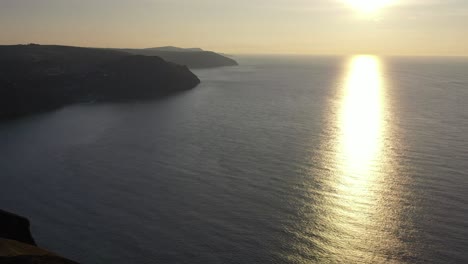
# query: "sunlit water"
[280,160]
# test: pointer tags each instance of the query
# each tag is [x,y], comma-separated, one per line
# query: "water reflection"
[354,228]
[360,119]
[352,219]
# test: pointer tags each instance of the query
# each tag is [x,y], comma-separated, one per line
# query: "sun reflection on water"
[353,219]
[352,211]
[361,115]
[355,225]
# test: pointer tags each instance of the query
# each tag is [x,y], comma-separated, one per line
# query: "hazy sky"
[404,27]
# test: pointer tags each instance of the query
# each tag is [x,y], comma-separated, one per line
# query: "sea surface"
[283,159]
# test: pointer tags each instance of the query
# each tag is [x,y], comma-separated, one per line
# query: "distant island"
[191,57]
[36,78]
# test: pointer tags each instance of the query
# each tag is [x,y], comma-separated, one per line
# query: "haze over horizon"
[413,27]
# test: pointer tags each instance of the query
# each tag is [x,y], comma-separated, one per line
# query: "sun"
[368,6]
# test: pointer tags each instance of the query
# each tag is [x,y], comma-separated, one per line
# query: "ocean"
[283,159]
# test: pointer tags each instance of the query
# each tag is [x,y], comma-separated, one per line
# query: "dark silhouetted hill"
[37,78]
[192,58]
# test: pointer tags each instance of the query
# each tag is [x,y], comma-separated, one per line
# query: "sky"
[401,27]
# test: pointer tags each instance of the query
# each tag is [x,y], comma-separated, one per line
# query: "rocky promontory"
[36,78]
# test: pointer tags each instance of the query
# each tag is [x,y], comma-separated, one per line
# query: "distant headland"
[36,78]
[191,57]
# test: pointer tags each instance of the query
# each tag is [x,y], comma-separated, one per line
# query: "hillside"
[37,78]
[192,58]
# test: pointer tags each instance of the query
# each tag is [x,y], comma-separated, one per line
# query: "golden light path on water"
[356,227]
[360,121]
[353,217]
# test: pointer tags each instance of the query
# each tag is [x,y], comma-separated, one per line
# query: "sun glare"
[368,6]
[361,116]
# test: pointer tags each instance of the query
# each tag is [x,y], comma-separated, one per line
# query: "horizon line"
[292,53]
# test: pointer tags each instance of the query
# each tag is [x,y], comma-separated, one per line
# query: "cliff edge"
[18,246]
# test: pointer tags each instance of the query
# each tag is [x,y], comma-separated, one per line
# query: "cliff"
[37,78]
[18,246]
[15,227]
[192,58]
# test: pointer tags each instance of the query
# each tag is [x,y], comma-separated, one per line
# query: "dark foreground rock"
[15,252]
[15,227]
[37,78]
[35,260]
[18,246]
